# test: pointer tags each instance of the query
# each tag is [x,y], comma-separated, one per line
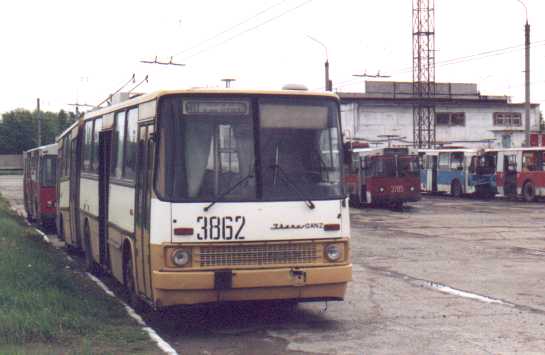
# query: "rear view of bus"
[247,200]
[39,184]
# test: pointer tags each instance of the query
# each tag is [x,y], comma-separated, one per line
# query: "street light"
[328,83]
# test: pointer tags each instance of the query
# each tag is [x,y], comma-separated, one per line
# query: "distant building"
[464,117]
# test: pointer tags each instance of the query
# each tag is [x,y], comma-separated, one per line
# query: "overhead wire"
[458,60]
[219,34]
[248,29]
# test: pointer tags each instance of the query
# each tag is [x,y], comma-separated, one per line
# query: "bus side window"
[529,161]
[473,165]
[443,160]
[457,161]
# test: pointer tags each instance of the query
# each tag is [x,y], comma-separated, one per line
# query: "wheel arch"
[127,250]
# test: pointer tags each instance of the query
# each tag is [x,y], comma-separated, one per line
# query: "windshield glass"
[209,148]
[49,170]
[408,165]
[381,166]
[206,149]
[299,145]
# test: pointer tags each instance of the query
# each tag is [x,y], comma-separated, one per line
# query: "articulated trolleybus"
[381,176]
[39,180]
[202,196]
[458,171]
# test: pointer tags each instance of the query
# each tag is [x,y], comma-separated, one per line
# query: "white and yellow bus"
[201,196]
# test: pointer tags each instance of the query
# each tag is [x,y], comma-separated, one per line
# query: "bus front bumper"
[301,284]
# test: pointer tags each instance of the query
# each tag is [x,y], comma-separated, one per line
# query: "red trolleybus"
[202,196]
[520,172]
[39,183]
[382,176]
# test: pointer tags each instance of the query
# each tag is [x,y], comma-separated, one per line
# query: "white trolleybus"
[201,196]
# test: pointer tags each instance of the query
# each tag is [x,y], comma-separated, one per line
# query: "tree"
[19,129]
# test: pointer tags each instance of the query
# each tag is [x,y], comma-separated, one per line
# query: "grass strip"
[47,305]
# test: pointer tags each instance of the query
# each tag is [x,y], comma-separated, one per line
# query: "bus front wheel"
[456,189]
[529,192]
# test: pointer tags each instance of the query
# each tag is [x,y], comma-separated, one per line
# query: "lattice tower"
[423,73]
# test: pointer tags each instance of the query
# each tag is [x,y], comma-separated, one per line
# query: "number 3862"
[221,228]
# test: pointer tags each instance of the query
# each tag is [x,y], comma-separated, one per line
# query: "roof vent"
[299,87]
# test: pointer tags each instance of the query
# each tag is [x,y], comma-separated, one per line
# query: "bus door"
[433,173]
[74,193]
[510,175]
[104,151]
[142,201]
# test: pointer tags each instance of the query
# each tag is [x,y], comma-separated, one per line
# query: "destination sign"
[215,107]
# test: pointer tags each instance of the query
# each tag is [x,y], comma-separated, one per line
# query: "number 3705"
[221,228]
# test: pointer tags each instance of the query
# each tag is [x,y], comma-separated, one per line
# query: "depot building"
[463,116]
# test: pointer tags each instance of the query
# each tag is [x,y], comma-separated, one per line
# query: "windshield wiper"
[284,177]
[225,193]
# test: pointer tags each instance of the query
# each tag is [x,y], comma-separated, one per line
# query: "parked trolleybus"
[381,176]
[458,172]
[39,184]
[199,196]
[520,172]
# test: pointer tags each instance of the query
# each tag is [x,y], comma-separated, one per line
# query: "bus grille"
[258,255]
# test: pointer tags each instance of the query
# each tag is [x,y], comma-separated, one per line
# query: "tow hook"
[299,277]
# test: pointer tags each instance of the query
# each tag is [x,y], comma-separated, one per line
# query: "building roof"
[402,92]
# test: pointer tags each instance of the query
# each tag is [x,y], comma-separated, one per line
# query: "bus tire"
[130,283]
[90,265]
[396,206]
[529,192]
[456,189]
[60,235]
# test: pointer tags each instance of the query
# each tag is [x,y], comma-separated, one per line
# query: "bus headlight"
[333,252]
[411,188]
[181,257]
[381,189]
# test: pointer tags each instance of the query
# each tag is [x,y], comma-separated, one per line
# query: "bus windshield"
[49,171]
[407,165]
[237,149]
[383,165]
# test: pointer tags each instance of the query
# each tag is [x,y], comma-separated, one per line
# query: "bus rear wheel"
[529,192]
[130,285]
[456,189]
[61,229]
[90,265]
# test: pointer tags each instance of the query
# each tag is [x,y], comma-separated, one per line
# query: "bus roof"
[68,130]
[205,91]
[449,150]
[44,149]
[532,149]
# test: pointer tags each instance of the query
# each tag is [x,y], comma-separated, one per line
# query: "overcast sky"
[81,51]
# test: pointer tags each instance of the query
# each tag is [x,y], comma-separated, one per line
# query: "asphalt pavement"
[444,276]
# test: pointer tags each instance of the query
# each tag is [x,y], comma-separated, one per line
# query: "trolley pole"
[39,117]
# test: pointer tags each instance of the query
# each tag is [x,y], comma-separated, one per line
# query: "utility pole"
[526,76]
[39,116]
[527,81]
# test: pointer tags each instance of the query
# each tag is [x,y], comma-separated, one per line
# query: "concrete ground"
[445,276]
